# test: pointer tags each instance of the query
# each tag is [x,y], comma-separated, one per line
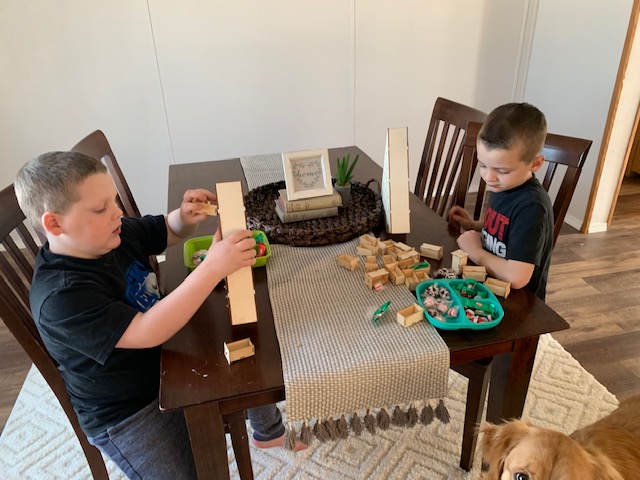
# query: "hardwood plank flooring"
[591,284]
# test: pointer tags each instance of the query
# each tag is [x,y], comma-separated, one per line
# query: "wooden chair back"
[442,155]
[16,271]
[564,159]
[97,146]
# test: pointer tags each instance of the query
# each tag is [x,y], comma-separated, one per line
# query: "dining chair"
[441,160]
[16,271]
[97,146]
[564,159]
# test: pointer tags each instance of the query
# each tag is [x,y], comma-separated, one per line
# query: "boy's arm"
[167,316]
[463,218]
[183,221]
[513,271]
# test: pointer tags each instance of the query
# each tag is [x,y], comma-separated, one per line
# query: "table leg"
[208,442]
[478,374]
[510,376]
[240,440]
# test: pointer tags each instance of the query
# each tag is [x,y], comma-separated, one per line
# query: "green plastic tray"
[192,245]
[455,286]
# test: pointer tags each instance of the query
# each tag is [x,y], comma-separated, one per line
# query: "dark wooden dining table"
[214,394]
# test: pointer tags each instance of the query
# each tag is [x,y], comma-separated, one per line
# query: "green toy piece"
[380,311]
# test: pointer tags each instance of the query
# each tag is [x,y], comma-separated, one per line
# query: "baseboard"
[576,223]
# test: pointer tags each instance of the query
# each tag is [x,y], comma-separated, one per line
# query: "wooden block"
[380,276]
[408,261]
[387,259]
[431,251]
[370,267]
[238,350]
[240,291]
[396,276]
[367,239]
[395,181]
[403,247]
[410,315]
[458,260]
[417,276]
[366,249]
[477,272]
[409,254]
[347,261]
[382,248]
[208,208]
[498,287]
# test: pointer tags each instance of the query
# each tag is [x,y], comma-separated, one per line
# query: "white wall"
[201,79]
[70,67]
[572,72]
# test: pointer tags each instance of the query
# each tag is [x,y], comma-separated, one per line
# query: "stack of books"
[308,208]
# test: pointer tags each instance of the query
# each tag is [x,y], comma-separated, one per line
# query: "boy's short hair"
[48,183]
[515,124]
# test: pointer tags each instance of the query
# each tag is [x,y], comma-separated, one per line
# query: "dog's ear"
[497,442]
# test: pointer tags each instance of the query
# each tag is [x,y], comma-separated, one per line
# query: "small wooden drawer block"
[478,273]
[347,261]
[238,350]
[431,251]
[377,277]
[409,254]
[396,276]
[498,287]
[408,262]
[410,315]
[367,239]
[417,276]
[208,208]
[367,249]
[458,260]
[387,259]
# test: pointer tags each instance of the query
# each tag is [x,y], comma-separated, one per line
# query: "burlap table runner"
[335,360]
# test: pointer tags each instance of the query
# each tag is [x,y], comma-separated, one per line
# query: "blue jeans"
[155,445]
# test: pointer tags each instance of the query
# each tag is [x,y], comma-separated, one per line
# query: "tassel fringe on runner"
[332,429]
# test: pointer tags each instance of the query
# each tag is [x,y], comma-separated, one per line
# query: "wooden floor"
[594,284]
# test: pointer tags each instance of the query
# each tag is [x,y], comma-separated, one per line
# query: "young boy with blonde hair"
[96,304]
[514,240]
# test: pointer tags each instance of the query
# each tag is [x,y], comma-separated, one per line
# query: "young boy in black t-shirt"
[515,239]
[95,301]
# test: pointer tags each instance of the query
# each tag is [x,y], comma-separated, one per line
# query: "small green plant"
[345,169]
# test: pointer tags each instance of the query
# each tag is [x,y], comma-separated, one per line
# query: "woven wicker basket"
[362,215]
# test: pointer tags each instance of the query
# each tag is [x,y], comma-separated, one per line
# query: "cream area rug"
[38,442]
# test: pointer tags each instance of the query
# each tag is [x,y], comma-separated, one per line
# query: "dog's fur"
[607,450]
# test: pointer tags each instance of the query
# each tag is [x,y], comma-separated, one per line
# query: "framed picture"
[307,174]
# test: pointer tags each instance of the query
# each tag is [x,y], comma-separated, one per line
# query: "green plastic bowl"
[192,245]
[461,321]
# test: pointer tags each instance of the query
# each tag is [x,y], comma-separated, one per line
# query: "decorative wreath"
[363,213]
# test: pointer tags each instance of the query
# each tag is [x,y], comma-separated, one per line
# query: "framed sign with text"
[307,174]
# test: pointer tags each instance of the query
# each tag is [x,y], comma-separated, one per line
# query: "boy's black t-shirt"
[518,225]
[82,307]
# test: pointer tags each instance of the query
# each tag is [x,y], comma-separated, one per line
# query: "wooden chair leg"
[240,441]
[478,373]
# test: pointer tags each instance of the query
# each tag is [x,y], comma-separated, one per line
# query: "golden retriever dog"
[607,450]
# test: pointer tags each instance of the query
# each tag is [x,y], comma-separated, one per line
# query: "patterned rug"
[38,443]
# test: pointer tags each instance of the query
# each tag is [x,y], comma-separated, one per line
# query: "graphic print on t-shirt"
[493,233]
[142,287]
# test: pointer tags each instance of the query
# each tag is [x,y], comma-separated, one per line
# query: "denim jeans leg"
[150,445]
[266,422]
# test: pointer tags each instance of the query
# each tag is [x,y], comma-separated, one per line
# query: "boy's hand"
[190,212]
[459,216]
[232,253]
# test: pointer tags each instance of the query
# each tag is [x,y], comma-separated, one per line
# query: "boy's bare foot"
[276,442]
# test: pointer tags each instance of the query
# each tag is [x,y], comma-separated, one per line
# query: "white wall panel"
[410,52]
[70,67]
[572,72]
[248,77]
